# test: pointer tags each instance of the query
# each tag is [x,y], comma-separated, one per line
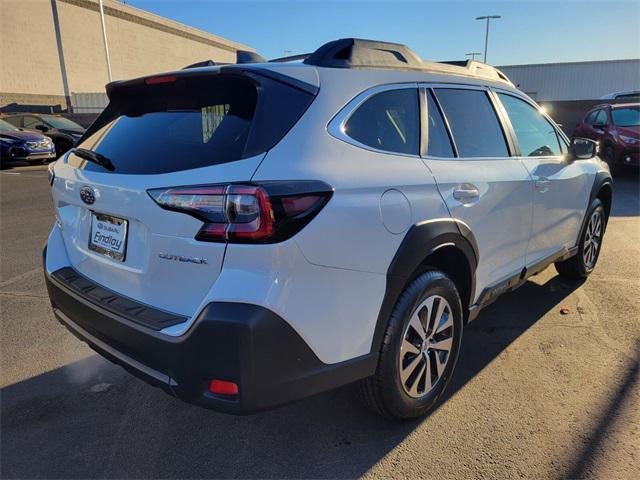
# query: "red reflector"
[157,80]
[220,387]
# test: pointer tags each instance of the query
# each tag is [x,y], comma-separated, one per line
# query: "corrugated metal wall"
[88,102]
[575,81]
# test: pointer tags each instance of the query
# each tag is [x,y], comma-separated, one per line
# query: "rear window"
[192,123]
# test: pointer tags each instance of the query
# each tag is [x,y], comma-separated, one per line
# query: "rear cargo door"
[162,132]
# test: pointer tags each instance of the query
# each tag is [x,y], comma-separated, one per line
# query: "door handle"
[542,184]
[466,193]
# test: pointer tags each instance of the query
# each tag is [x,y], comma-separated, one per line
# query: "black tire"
[608,155]
[62,146]
[384,392]
[577,266]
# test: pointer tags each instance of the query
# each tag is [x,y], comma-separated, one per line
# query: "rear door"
[160,133]
[480,183]
[561,187]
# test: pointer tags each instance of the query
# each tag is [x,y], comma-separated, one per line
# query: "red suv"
[617,129]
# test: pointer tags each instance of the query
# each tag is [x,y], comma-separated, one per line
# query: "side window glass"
[601,118]
[590,117]
[536,136]
[388,121]
[31,122]
[438,142]
[474,123]
[15,121]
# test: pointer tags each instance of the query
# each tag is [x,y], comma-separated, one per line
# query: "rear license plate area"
[108,236]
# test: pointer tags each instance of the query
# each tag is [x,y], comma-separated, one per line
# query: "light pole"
[104,36]
[472,55]
[486,36]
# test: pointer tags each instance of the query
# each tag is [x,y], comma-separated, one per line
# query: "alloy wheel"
[592,239]
[426,346]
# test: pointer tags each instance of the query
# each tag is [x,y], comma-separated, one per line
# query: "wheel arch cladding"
[446,244]
[605,194]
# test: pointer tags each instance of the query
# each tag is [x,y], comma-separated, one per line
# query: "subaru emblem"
[88,195]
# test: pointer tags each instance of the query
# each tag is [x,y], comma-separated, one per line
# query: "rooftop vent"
[356,52]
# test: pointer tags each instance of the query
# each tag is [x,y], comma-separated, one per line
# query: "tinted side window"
[590,117]
[16,121]
[31,122]
[388,121]
[438,143]
[535,135]
[601,118]
[473,123]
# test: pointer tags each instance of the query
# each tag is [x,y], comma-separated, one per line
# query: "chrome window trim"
[336,126]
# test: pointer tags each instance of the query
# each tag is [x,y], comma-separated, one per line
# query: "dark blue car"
[25,146]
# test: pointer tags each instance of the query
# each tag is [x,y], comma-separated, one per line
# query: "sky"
[528,32]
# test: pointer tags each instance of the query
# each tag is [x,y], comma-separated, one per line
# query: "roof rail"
[357,52]
[290,58]
[360,53]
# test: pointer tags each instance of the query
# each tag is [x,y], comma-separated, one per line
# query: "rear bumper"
[243,343]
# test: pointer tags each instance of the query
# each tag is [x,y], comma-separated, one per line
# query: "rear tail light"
[247,213]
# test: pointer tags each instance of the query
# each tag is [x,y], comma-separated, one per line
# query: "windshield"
[7,127]
[626,117]
[61,122]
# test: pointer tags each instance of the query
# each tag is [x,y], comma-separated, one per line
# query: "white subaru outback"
[246,235]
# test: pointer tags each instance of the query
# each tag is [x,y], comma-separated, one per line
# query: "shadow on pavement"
[626,194]
[90,419]
[584,460]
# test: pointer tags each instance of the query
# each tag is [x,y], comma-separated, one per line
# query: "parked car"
[247,235]
[64,132]
[26,146]
[628,95]
[617,129]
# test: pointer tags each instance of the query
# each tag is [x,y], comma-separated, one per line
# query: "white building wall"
[575,81]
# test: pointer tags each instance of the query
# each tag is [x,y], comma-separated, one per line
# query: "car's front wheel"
[419,349]
[589,244]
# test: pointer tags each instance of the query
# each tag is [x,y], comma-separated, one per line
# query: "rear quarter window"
[388,121]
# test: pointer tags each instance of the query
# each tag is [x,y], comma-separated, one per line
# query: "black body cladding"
[234,342]
[421,241]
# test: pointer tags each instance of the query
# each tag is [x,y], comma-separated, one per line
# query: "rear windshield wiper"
[94,157]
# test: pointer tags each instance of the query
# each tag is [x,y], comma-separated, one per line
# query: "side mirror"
[42,128]
[582,149]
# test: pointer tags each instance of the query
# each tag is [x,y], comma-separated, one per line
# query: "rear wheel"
[583,263]
[419,349]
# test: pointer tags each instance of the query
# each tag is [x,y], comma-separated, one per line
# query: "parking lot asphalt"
[537,394]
